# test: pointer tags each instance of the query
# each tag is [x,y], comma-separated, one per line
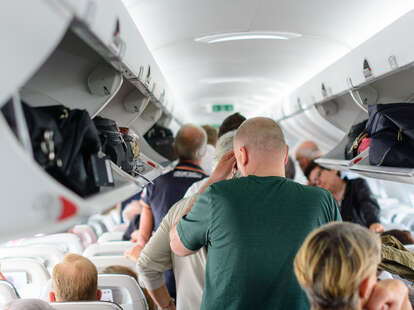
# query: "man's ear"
[52,297]
[244,156]
[98,294]
[287,155]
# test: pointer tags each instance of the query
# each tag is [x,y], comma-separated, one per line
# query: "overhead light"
[248,35]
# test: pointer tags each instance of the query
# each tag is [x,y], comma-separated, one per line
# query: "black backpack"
[115,144]
[161,139]
[65,143]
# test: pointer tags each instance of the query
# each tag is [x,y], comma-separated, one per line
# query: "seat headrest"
[85,305]
[111,248]
[67,242]
[8,293]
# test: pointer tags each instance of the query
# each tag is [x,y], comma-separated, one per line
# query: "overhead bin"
[379,71]
[92,58]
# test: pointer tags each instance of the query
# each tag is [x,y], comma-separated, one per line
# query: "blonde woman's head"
[336,265]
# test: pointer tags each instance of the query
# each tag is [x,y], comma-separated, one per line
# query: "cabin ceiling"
[253,75]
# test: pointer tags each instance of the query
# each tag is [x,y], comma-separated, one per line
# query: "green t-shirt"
[253,227]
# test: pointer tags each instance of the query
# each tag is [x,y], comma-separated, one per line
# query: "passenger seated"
[306,152]
[28,304]
[356,202]
[337,267]
[75,279]
[404,236]
[118,269]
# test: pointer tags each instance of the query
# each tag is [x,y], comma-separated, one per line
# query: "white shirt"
[157,257]
[208,161]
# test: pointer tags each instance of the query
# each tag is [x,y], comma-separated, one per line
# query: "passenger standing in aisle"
[189,145]
[253,226]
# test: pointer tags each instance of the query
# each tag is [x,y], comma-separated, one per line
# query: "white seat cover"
[85,305]
[7,293]
[113,248]
[125,291]
[86,233]
[30,275]
[101,262]
[98,226]
[68,242]
[111,236]
[49,254]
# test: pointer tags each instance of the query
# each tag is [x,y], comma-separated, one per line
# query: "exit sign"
[223,108]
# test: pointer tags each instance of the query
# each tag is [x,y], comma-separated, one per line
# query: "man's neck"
[267,170]
[193,162]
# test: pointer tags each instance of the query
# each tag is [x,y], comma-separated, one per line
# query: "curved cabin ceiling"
[252,75]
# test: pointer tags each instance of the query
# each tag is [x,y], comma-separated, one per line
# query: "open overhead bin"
[87,55]
[379,71]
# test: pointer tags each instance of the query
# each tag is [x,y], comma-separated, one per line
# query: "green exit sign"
[223,108]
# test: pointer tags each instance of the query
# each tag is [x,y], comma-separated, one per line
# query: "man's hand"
[376,228]
[389,294]
[135,236]
[224,167]
[133,253]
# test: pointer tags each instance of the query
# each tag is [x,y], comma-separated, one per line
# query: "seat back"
[8,293]
[67,242]
[111,236]
[50,255]
[124,291]
[114,248]
[121,227]
[86,233]
[85,305]
[118,288]
[28,275]
[101,262]
[98,226]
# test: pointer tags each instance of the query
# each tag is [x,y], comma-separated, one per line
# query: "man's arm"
[222,172]
[389,294]
[369,207]
[146,224]
[162,298]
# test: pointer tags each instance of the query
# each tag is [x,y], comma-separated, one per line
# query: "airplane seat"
[409,247]
[28,275]
[106,220]
[98,226]
[49,255]
[8,293]
[116,217]
[101,262]
[114,248]
[85,305]
[118,288]
[121,227]
[123,290]
[408,221]
[111,236]
[86,233]
[68,242]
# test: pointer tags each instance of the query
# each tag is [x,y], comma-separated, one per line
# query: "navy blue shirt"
[170,188]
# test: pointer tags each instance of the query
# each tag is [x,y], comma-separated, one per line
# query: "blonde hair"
[75,279]
[118,269]
[332,263]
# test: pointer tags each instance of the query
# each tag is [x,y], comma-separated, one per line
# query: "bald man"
[306,152]
[75,279]
[254,225]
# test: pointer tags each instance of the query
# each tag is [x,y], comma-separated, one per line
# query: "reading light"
[249,35]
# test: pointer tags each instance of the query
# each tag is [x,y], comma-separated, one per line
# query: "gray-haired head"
[306,152]
[28,304]
[190,142]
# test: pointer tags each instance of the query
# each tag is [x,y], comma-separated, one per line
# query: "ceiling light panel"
[248,35]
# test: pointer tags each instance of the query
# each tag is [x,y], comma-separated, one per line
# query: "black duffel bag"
[391,129]
[65,142]
[114,144]
[161,139]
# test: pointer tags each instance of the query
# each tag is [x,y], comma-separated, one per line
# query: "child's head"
[336,265]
